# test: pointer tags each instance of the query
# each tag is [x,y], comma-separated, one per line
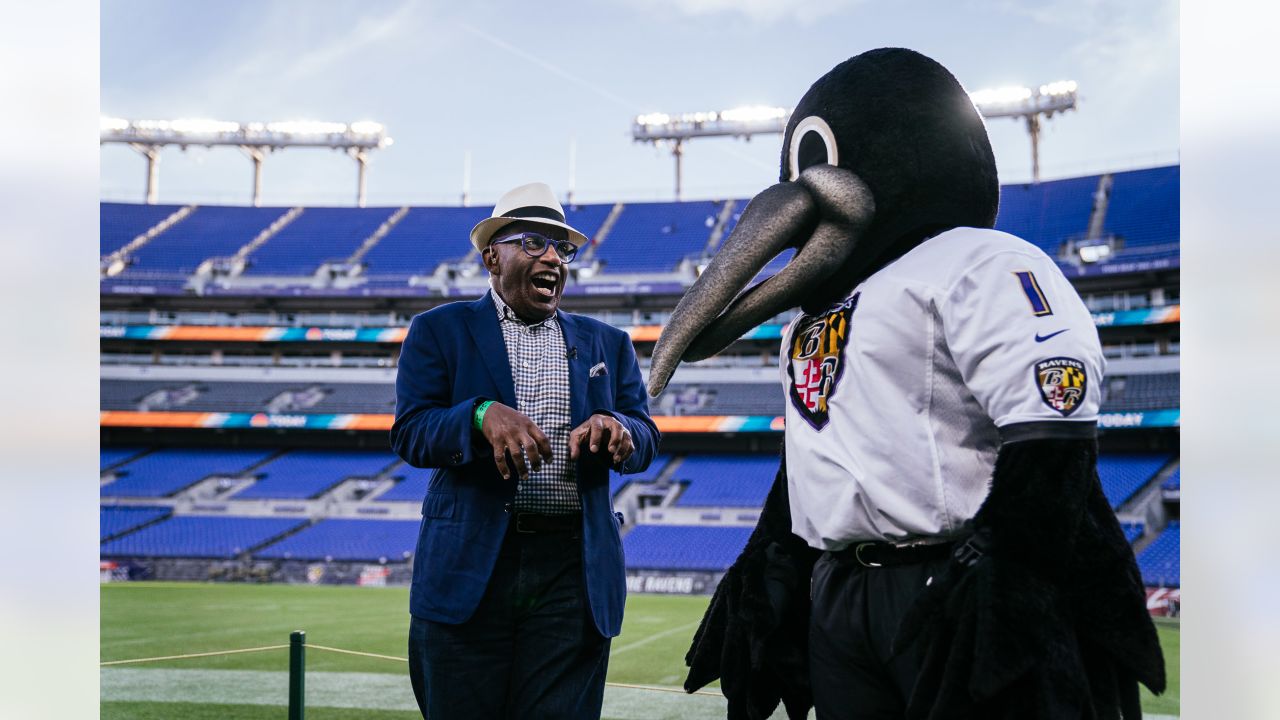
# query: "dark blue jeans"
[531,650]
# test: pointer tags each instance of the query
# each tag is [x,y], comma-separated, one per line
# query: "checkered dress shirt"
[540,369]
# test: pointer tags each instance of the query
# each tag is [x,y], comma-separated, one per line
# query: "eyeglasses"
[536,245]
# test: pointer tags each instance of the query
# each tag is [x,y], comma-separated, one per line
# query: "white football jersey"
[898,398]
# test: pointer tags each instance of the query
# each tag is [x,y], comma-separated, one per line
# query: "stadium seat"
[209,232]
[1047,214]
[114,456]
[726,480]
[316,236]
[1132,531]
[617,481]
[1161,561]
[350,540]
[301,474]
[412,486]
[1123,475]
[655,237]
[165,472]
[117,520]
[120,223]
[199,537]
[1144,208]
[683,547]
[423,239]
[1142,392]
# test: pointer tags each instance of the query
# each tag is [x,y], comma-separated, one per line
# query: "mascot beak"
[823,213]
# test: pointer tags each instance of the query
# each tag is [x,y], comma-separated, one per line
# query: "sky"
[515,85]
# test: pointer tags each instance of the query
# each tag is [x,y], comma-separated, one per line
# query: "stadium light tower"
[1023,102]
[256,139]
[743,122]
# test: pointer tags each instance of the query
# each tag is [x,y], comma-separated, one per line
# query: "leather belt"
[528,522]
[882,554]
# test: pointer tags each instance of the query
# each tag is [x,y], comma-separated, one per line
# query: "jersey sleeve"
[1025,345]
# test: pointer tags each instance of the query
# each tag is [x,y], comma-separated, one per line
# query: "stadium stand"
[253,396]
[318,235]
[199,537]
[683,547]
[117,520]
[352,540]
[165,472]
[1144,207]
[1132,531]
[1142,392]
[1121,393]
[651,473]
[655,237]
[114,456]
[1161,562]
[210,231]
[1174,481]
[120,223]
[647,238]
[720,399]
[1124,474]
[411,488]
[302,474]
[1045,214]
[423,239]
[726,480]
[588,219]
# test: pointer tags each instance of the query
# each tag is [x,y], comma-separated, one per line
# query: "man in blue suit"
[522,409]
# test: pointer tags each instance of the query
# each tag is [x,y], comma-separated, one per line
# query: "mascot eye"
[812,143]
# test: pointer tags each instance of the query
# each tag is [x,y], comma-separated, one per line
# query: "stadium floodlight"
[1028,104]
[742,122]
[256,139]
[1094,253]
[1014,101]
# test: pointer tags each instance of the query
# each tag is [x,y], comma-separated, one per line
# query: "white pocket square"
[598,369]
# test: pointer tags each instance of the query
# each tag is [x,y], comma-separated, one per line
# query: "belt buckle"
[520,528]
[857,555]
[969,553]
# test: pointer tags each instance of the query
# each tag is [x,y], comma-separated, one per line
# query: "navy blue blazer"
[454,354]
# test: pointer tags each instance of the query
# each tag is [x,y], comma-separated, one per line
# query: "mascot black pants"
[856,612]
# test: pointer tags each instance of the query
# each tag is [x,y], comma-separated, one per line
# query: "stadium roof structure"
[256,139]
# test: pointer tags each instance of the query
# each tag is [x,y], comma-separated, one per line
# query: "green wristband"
[478,418]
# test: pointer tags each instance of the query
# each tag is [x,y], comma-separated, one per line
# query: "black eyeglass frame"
[566,256]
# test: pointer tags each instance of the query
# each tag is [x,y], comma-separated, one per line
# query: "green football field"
[152,620]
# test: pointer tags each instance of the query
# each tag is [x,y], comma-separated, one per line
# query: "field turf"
[146,620]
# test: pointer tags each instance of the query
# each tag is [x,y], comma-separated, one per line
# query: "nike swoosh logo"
[1042,338]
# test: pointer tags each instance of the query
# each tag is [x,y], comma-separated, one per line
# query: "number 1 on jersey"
[1039,304]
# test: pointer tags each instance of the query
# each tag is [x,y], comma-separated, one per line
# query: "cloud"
[1129,42]
[368,30]
[763,12]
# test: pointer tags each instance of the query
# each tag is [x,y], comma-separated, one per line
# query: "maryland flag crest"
[1062,382]
[816,360]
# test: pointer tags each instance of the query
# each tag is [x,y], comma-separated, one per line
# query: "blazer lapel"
[482,322]
[577,339]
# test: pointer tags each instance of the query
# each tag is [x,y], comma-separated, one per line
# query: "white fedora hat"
[528,203]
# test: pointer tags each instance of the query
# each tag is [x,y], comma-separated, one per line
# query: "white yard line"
[619,649]
[375,691]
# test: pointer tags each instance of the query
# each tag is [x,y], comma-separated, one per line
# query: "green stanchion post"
[297,672]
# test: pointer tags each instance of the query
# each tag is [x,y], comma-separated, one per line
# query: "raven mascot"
[1036,608]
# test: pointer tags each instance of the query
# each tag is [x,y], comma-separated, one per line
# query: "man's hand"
[599,432]
[513,435]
